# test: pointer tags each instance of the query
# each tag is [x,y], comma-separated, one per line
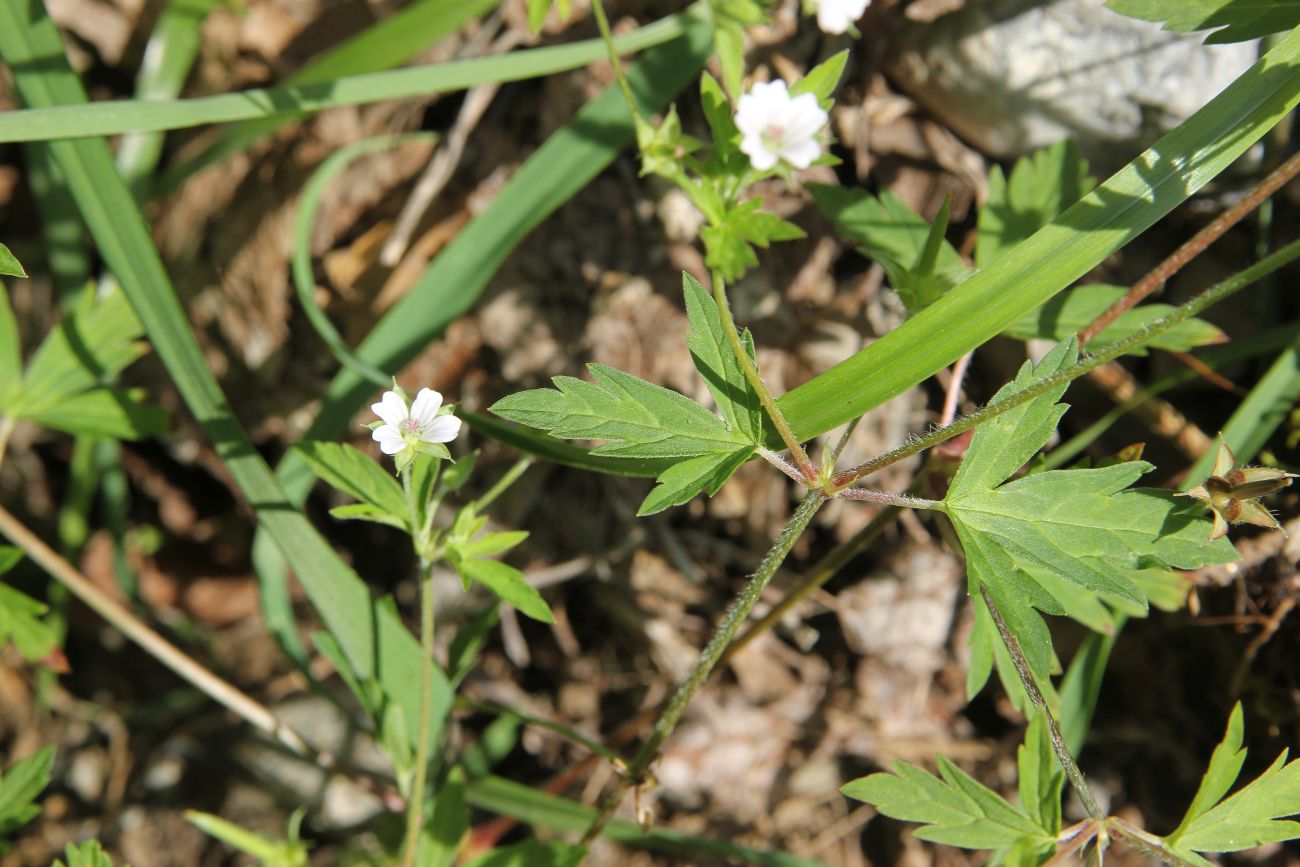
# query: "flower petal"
[802,154]
[425,406]
[760,157]
[389,438]
[391,408]
[444,429]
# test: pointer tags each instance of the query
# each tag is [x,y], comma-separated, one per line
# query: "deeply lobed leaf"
[1252,816]
[955,809]
[1064,542]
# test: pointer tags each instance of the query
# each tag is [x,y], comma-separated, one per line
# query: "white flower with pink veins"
[776,126]
[404,427]
[835,16]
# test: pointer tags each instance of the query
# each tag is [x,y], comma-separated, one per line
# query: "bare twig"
[221,691]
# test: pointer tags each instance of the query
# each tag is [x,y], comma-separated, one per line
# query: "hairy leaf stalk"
[708,659]
[1072,772]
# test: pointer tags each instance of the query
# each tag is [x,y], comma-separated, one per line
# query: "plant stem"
[598,9]
[1108,353]
[503,484]
[189,669]
[415,796]
[1193,247]
[708,659]
[888,499]
[756,382]
[1072,772]
[1146,843]
[819,574]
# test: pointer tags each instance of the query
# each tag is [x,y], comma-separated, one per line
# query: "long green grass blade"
[61,121]
[168,59]
[384,45]
[508,798]
[376,642]
[1025,276]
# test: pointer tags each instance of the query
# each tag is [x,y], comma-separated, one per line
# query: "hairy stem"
[708,659]
[1193,247]
[1146,843]
[415,797]
[1072,772]
[756,382]
[1107,353]
[598,9]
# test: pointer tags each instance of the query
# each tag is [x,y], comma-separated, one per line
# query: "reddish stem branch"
[1194,247]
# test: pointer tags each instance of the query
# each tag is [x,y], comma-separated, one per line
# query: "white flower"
[835,16]
[403,427]
[776,126]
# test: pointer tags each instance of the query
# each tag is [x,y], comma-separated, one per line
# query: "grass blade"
[384,45]
[1025,276]
[45,121]
[376,642]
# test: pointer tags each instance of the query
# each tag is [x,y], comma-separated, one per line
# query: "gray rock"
[1011,76]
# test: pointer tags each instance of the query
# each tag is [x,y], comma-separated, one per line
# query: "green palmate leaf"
[21,623]
[1239,19]
[354,473]
[711,351]
[107,412]
[1041,186]
[729,243]
[681,482]
[1071,311]
[954,808]
[9,264]
[88,853]
[19,787]
[506,582]
[638,419]
[642,420]
[921,266]
[1060,542]
[1252,816]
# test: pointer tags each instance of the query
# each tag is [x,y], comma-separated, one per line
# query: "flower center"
[774,135]
[411,427]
